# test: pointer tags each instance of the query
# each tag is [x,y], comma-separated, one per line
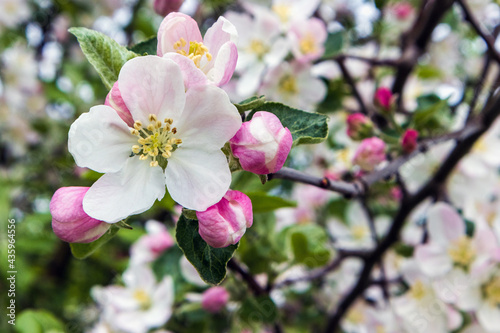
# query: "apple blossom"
[293,84]
[69,222]
[138,306]
[307,39]
[359,126]
[262,144]
[214,299]
[179,38]
[225,222]
[175,141]
[13,12]
[409,140]
[370,153]
[150,246]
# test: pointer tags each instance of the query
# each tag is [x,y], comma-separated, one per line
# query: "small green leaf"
[250,103]
[333,44]
[146,47]
[431,115]
[258,310]
[306,127]
[82,251]
[38,321]
[104,53]
[308,243]
[263,203]
[209,262]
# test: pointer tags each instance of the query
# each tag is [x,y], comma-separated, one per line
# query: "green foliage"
[82,251]
[250,103]
[333,44]
[209,262]
[38,321]
[306,127]
[147,47]
[258,310]
[104,53]
[308,244]
[432,115]
[263,203]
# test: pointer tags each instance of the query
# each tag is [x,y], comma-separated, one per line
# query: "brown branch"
[350,81]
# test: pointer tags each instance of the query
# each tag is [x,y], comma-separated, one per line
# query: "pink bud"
[370,153]
[214,299]
[225,222]
[262,144]
[359,126]
[115,100]
[69,222]
[164,7]
[383,98]
[402,10]
[409,140]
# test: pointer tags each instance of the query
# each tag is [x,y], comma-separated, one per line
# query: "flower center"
[142,298]
[418,290]
[355,317]
[359,232]
[307,44]
[492,291]
[283,12]
[155,140]
[462,252]
[196,51]
[258,47]
[288,84]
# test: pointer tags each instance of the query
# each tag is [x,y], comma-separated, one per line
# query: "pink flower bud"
[69,222]
[359,126]
[402,10]
[164,7]
[409,140]
[370,153]
[214,299]
[262,144]
[225,222]
[115,100]
[383,98]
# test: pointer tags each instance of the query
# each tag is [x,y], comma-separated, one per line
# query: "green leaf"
[263,203]
[306,127]
[209,262]
[38,321]
[308,243]
[104,53]
[258,310]
[82,251]
[431,115]
[250,103]
[333,44]
[146,47]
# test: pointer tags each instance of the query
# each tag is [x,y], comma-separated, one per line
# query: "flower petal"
[209,119]
[433,259]
[100,140]
[197,179]
[130,191]
[224,64]
[445,225]
[489,317]
[174,27]
[193,76]
[152,85]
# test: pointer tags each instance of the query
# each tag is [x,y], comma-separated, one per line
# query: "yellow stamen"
[288,84]
[283,12]
[155,141]
[308,44]
[461,251]
[258,47]
[418,290]
[492,292]
[196,51]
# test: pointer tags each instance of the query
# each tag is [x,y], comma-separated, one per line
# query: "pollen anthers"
[308,44]
[288,84]
[196,51]
[462,252]
[155,140]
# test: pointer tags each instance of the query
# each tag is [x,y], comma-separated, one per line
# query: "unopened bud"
[359,126]
[165,7]
[69,222]
[409,140]
[225,222]
[114,99]
[370,153]
[262,144]
[214,299]
[383,98]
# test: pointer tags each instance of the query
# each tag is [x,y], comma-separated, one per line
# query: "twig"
[350,81]
[247,277]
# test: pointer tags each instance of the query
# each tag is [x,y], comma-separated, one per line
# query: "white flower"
[175,140]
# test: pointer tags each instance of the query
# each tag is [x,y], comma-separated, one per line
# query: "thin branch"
[256,288]
[488,38]
[350,81]
[371,61]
